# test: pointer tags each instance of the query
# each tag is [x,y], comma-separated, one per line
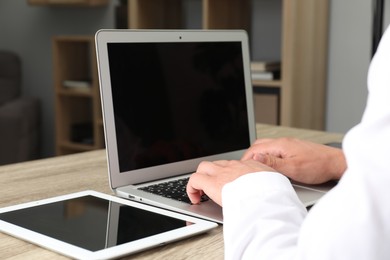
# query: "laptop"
[172,99]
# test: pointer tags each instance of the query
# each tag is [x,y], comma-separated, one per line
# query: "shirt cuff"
[255,185]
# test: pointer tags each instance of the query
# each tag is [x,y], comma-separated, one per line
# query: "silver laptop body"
[171,99]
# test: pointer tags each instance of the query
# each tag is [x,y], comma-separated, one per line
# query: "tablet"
[93,225]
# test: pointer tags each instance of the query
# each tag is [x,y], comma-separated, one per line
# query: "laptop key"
[172,189]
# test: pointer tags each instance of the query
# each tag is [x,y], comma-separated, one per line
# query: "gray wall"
[349,55]
[28,31]
[386,13]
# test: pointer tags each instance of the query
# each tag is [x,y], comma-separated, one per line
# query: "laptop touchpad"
[308,196]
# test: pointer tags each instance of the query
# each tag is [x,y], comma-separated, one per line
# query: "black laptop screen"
[177,101]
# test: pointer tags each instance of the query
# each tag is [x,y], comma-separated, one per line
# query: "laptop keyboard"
[172,189]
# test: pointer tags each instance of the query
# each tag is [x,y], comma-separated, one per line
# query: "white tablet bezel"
[73,251]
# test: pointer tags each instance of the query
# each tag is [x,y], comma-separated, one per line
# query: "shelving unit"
[78,112]
[297,99]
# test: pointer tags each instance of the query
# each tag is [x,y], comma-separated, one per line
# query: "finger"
[195,187]
[260,147]
[200,184]
[260,157]
[220,163]
[274,147]
[282,165]
[269,160]
[249,153]
[210,168]
[263,140]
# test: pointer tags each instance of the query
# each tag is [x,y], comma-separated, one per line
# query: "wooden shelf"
[156,14]
[304,60]
[76,92]
[267,83]
[78,111]
[86,3]
[227,14]
[76,146]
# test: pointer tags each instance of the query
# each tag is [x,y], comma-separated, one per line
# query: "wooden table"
[34,180]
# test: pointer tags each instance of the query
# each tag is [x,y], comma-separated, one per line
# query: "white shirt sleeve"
[263,218]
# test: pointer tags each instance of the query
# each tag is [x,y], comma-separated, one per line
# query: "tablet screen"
[91,222]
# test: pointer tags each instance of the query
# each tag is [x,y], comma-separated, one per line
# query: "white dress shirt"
[263,218]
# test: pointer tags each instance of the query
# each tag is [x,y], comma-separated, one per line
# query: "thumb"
[269,160]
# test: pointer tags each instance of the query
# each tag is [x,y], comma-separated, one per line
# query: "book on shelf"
[77,84]
[265,75]
[265,65]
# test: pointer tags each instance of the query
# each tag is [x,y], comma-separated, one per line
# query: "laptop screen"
[177,101]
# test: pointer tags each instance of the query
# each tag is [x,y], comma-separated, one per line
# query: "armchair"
[19,116]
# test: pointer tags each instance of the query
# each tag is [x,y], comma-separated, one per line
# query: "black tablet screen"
[92,223]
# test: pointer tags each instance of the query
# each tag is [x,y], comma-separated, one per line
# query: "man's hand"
[210,177]
[299,160]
